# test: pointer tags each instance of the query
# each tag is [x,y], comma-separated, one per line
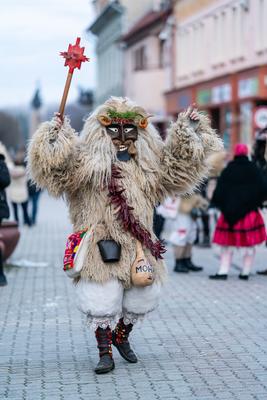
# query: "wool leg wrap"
[122,331]
[104,341]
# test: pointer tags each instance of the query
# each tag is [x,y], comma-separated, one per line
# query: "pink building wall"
[146,86]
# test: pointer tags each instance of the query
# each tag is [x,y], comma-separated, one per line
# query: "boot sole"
[195,270]
[105,370]
[122,354]
[180,272]
[218,279]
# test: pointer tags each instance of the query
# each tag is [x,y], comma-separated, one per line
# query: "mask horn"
[104,120]
[143,122]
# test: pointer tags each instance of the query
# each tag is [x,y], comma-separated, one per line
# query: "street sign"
[260,117]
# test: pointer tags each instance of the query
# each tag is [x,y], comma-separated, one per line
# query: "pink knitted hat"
[241,149]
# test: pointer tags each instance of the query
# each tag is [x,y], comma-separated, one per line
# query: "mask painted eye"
[115,130]
[127,130]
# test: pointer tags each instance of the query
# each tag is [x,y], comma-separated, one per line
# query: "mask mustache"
[131,147]
[130,144]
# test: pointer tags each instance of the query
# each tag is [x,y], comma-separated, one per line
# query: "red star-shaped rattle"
[74,56]
[73,59]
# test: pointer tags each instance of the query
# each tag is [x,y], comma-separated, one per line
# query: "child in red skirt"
[239,194]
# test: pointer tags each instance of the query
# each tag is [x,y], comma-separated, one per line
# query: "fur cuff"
[50,156]
[193,139]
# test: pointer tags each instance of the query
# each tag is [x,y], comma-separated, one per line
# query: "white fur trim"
[139,301]
[99,300]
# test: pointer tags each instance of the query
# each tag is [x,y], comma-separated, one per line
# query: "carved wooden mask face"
[123,137]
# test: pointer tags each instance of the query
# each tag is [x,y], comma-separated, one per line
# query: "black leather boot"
[191,266]
[104,340]
[120,337]
[3,281]
[181,266]
[243,277]
[264,272]
[219,277]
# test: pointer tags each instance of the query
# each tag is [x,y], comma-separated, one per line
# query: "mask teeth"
[122,148]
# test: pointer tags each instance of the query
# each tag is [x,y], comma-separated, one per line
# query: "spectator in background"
[18,190]
[4,210]
[240,192]
[184,232]
[34,194]
[259,158]
[259,150]
[208,215]
[216,163]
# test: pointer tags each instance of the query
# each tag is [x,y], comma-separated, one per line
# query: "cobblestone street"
[207,340]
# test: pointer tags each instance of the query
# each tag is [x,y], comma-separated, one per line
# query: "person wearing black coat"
[4,209]
[240,192]
[259,158]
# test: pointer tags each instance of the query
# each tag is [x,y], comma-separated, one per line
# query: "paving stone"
[206,341]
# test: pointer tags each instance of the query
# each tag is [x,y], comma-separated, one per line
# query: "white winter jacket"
[18,191]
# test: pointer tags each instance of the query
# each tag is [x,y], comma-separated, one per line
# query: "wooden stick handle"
[65,95]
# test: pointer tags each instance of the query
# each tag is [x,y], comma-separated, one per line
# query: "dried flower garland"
[128,220]
[127,117]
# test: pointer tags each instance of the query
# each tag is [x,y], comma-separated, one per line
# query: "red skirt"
[247,232]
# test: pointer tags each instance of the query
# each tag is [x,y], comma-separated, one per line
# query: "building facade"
[145,63]
[220,63]
[113,19]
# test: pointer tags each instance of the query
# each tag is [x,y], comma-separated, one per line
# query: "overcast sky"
[32,33]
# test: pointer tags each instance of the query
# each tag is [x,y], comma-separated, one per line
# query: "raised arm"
[53,157]
[190,141]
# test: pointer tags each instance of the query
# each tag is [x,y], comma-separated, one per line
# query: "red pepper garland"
[129,222]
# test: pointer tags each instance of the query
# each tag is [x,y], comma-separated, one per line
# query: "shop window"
[246,114]
[215,118]
[227,122]
[140,60]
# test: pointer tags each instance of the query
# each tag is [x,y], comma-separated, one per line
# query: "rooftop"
[146,22]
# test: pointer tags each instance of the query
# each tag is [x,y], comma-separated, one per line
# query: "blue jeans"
[34,200]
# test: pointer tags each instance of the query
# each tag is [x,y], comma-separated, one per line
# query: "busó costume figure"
[111,176]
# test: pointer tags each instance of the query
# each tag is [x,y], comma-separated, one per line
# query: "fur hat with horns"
[121,111]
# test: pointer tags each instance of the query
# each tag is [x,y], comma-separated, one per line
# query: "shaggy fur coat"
[79,167]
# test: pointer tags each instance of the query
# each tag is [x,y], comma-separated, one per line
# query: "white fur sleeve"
[185,153]
[51,157]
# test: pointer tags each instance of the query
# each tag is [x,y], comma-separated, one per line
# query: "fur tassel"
[184,158]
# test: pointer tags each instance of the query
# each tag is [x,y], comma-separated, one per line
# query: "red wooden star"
[74,56]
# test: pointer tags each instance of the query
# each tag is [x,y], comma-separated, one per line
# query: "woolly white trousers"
[105,303]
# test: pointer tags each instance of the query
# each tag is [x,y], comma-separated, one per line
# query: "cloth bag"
[142,273]
[75,252]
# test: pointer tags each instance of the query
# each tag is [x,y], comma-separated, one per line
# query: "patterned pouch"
[75,252]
